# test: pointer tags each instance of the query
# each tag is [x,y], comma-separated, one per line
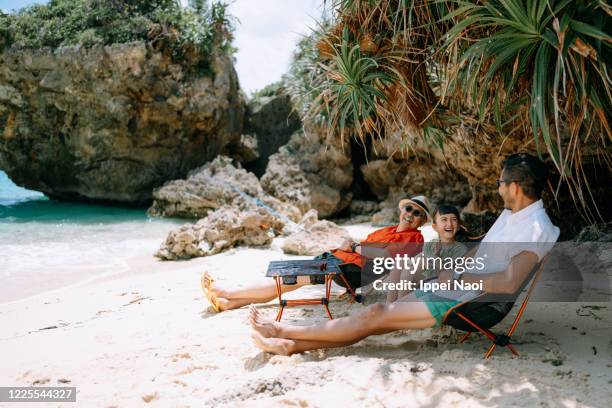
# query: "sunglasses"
[414,211]
[500,181]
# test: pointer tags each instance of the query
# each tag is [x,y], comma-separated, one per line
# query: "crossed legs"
[285,339]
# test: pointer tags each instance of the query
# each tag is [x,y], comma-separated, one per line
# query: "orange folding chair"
[487,310]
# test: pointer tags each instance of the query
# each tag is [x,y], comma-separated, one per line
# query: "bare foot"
[272,345]
[265,327]
[224,304]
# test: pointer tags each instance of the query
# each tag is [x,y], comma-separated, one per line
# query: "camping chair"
[478,314]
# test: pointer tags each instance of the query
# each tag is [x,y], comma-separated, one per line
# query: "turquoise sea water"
[46,244]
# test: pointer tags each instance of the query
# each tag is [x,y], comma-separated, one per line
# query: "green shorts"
[438,306]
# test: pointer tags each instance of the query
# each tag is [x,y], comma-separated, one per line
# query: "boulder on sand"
[212,186]
[225,228]
[315,236]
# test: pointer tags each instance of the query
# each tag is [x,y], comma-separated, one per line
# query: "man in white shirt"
[521,235]
[523,225]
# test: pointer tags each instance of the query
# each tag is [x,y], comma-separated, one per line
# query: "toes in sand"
[266,328]
[272,345]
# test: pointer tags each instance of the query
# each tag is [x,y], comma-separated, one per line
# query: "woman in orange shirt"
[353,258]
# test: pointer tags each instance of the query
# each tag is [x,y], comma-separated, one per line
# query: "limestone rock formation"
[388,213]
[461,170]
[476,152]
[361,211]
[601,232]
[360,207]
[212,186]
[416,176]
[315,237]
[111,123]
[310,173]
[222,229]
[271,120]
[244,150]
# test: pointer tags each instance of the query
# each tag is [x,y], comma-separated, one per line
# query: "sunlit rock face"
[314,236]
[311,172]
[212,186]
[112,123]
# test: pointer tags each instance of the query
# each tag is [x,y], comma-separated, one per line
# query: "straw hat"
[419,201]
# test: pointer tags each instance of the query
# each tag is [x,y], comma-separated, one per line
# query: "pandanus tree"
[536,67]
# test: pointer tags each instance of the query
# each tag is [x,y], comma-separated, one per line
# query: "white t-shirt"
[529,229]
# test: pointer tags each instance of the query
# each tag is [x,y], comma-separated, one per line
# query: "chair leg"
[490,350]
[503,340]
[328,283]
[328,312]
[464,337]
[512,349]
[517,319]
[348,288]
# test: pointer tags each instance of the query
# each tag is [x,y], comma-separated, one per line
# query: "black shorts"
[354,275]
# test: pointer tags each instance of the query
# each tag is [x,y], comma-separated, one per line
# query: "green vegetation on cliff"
[537,71]
[199,27]
[305,68]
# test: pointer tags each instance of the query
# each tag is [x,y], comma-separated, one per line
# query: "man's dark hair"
[528,171]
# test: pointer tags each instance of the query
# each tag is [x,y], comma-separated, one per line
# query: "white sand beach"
[146,337]
[135,135]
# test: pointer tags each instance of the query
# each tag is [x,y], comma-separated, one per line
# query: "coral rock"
[225,228]
[310,174]
[111,123]
[212,186]
[272,120]
[315,237]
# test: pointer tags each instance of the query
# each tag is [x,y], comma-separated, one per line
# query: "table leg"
[279,293]
[328,282]
[279,315]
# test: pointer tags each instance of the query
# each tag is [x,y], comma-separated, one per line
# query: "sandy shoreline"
[147,337]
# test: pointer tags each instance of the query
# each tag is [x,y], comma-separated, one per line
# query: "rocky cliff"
[111,123]
[311,172]
[471,158]
[271,120]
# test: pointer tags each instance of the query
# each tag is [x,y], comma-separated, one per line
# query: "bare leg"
[258,293]
[395,276]
[229,304]
[227,299]
[286,347]
[375,319]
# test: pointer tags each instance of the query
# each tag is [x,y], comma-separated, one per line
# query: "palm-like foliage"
[355,89]
[538,67]
[373,54]
[552,56]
